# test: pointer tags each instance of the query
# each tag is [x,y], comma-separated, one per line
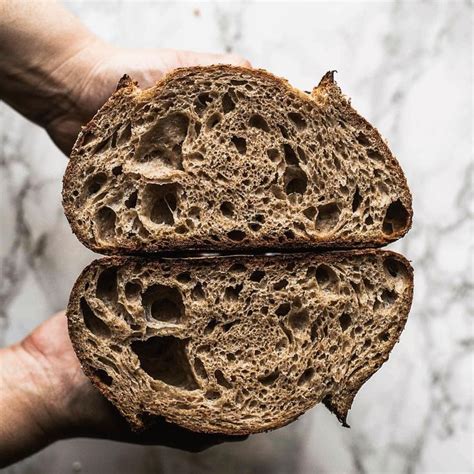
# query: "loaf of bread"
[237,344]
[225,158]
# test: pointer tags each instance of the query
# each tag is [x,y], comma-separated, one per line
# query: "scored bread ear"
[327,91]
[126,81]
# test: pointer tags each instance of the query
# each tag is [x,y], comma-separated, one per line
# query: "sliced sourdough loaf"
[237,345]
[224,157]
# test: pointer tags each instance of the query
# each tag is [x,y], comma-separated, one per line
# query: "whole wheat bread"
[224,157]
[237,344]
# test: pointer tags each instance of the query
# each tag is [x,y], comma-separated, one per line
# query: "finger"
[168,434]
[189,58]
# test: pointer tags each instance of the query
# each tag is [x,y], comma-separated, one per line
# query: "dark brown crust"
[339,404]
[320,95]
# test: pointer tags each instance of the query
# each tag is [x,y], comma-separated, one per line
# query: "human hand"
[57,73]
[46,397]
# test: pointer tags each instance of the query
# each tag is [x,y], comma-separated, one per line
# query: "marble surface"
[408,68]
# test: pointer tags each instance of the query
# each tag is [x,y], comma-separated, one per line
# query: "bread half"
[222,157]
[237,345]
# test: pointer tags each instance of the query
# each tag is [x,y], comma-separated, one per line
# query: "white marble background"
[408,68]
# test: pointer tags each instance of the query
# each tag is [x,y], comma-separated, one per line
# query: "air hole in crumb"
[279,285]
[393,267]
[163,303]
[345,321]
[237,268]
[298,120]
[374,155]
[228,326]
[283,309]
[328,217]
[273,154]
[181,229]
[270,378]
[197,292]
[255,226]
[117,170]
[105,219]
[301,154]
[132,289]
[194,212]
[106,288]
[195,158]
[283,131]
[93,323]
[87,137]
[210,326]
[240,144]
[212,395]
[362,139]
[310,212]
[299,320]
[202,101]
[257,121]
[162,142]
[213,120]
[183,277]
[221,380]
[369,220]
[131,201]
[326,277]
[236,235]
[199,368]
[281,344]
[227,103]
[102,146]
[197,128]
[103,376]
[356,200]
[257,275]
[306,377]
[295,180]
[227,208]
[388,296]
[290,155]
[125,134]
[396,218]
[164,358]
[95,183]
[232,292]
[159,202]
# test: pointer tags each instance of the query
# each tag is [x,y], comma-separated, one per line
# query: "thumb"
[190,58]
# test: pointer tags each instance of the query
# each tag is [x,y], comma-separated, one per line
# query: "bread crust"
[327,92]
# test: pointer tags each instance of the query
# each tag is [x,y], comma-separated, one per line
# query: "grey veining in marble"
[408,68]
